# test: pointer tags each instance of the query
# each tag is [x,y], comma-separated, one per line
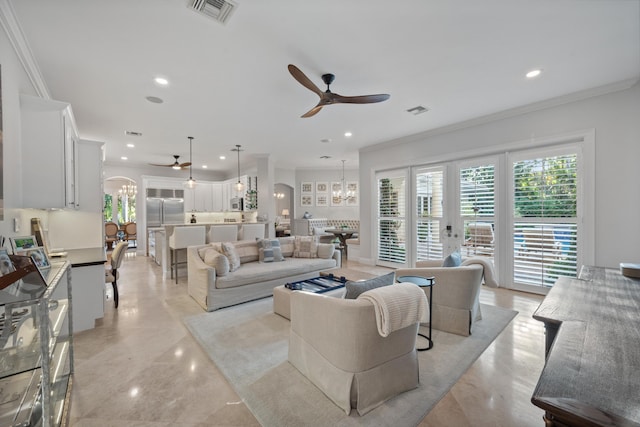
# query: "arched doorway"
[120,199]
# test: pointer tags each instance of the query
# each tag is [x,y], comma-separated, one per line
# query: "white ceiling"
[229,83]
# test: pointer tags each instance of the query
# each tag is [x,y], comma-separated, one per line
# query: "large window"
[429,213]
[545,218]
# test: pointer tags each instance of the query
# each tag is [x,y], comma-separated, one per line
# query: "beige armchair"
[335,343]
[456,293]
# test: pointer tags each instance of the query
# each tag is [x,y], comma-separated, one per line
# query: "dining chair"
[110,234]
[130,232]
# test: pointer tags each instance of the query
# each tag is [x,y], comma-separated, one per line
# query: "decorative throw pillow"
[247,251]
[218,261]
[354,289]
[269,250]
[453,260]
[325,250]
[230,252]
[318,231]
[306,247]
[287,245]
[204,249]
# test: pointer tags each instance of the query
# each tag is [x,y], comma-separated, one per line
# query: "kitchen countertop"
[84,257]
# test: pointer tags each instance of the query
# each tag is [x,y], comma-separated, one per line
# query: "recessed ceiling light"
[222,157]
[325,140]
[124,158]
[155,99]
[131,145]
[533,73]
[348,134]
[161,81]
[204,166]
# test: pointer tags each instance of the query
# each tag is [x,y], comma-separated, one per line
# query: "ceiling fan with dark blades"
[175,165]
[327,97]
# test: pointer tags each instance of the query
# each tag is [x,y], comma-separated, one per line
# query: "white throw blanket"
[489,272]
[397,306]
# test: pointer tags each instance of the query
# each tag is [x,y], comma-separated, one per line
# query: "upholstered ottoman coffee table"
[282,294]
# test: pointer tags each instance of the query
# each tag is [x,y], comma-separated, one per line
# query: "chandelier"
[344,194]
[129,189]
[190,183]
[239,186]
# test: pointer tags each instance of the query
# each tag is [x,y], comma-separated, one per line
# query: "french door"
[522,210]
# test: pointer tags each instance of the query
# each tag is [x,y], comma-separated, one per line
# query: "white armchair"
[336,344]
[456,293]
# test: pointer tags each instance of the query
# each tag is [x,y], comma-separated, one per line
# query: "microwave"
[236,204]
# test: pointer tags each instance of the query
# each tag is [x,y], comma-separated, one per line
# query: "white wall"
[616,120]
[325,175]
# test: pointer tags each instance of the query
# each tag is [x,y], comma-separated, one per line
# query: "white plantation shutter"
[429,213]
[391,218]
[545,226]
[477,208]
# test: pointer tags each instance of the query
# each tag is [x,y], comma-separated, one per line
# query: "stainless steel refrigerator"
[164,207]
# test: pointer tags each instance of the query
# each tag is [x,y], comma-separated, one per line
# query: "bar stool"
[223,233]
[182,238]
[252,231]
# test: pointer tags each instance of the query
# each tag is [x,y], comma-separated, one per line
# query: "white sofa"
[253,279]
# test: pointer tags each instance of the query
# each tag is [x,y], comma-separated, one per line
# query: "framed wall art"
[322,200]
[306,188]
[322,187]
[306,200]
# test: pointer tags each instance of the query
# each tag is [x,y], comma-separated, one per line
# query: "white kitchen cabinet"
[216,197]
[49,147]
[90,185]
[199,199]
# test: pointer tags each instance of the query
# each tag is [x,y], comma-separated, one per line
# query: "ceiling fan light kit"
[327,97]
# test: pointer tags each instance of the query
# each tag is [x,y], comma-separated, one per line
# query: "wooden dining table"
[343,234]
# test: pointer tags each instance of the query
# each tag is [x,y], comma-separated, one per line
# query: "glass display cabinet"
[36,344]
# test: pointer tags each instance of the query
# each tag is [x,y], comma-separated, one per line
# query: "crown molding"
[20,45]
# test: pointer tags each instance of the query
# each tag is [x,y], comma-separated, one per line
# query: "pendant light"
[239,186]
[190,183]
[343,194]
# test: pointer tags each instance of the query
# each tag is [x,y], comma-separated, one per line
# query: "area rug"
[249,344]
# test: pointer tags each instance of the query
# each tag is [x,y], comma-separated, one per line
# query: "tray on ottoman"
[325,284]
[318,284]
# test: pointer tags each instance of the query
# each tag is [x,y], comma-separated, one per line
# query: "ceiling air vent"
[220,10]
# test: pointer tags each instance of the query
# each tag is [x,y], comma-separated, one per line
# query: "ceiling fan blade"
[312,112]
[166,166]
[185,164]
[304,80]
[364,99]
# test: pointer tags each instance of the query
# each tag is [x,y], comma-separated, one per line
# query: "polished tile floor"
[141,367]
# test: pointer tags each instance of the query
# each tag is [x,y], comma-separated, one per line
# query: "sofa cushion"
[230,251]
[269,250]
[217,260]
[247,251]
[249,273]
[306,247]
[453,260]
[287,245]
[356,288]
[201,251]
[325,250]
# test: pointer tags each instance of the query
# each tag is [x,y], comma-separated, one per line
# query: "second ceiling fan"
[327,97]
[175,165]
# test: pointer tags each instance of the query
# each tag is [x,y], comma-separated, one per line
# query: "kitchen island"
[163,233]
